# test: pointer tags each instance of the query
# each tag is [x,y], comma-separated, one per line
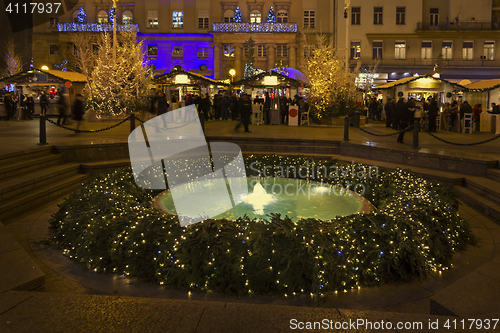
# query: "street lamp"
[347,4]
[44,67]
[232,72]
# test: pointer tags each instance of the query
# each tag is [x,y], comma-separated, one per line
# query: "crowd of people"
[226,106]
[401,114]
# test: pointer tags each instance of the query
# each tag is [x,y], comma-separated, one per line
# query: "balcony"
[467,25]
[255,27]
[96,27]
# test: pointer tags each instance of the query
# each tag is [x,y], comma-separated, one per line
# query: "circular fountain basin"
[295,198]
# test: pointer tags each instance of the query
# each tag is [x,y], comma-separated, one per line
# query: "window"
[426,50]
[228,16]
[203,22]
[355,50]
[53,21]
[281,50]
[282,17]
[102,17]
[152,50]
[177,51]
[447,50]
[177,20]
[434,16]
[309,18]
[203,52]
[54,49]
[203,19]
[468,50]
[377,49]
[261,50]
[152,19]
[400,15]
[228,50]
[400,50]
[377,15]
[127,17]
[355,15]
[489,50]
[255,17]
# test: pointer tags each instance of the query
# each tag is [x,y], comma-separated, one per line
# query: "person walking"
[245,108]
[62,106]
[389,110]
[78,111]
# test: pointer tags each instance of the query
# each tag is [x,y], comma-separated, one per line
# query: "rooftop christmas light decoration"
[271,17]
[333,89]
[81,17]
[237,16]
[254,27]
[111,15]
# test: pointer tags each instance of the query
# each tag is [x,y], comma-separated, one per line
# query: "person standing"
[388,108]
[43,104]
[433,114]
[476,110]
[372,108]
[453,113]
[224,105]
[233,106]
[162,106]
[8,105]
[267,108]
[405,113]
[284,109]
[245,108]
[30,106]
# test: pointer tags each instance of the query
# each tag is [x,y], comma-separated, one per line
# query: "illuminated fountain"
[294,198]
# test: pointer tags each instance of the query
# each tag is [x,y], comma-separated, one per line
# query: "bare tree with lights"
[13,60]
[113,88]
[333,91]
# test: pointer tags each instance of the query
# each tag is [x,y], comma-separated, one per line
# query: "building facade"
[458,38]
[202,36]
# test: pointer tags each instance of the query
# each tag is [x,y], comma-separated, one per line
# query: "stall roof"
[484,85]
[283,80]
[168,79]
[407,80]
[73,77]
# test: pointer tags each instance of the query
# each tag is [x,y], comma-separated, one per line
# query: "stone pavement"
[73,300]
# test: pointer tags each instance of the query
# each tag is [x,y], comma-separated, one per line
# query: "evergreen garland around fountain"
[110,225]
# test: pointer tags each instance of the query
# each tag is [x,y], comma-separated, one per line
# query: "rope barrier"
[462,144]
[87,131]
[168,128]
[381,135]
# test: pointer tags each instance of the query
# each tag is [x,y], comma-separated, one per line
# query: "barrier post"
[416,129]
[43,131]
[346,129]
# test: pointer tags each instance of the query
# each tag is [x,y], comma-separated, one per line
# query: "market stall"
[277,83]
[49,81]
[485,92]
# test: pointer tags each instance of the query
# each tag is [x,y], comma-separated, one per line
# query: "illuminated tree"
[271,18]
[113,88]
[249,58]
[81,16]
[13,60]
[237,16]
[333,90]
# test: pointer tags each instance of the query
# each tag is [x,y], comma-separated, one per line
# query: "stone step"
[31,181]
[484,206]
[102,166]
[27,201]
[16,157]
[486,188]
[275,141]
[270,149]
[28,165]
[493,174]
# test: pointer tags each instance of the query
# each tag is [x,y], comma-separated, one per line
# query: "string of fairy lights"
[110,224]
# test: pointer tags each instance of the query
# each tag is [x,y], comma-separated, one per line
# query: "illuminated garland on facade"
[96,27]
[254,27]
